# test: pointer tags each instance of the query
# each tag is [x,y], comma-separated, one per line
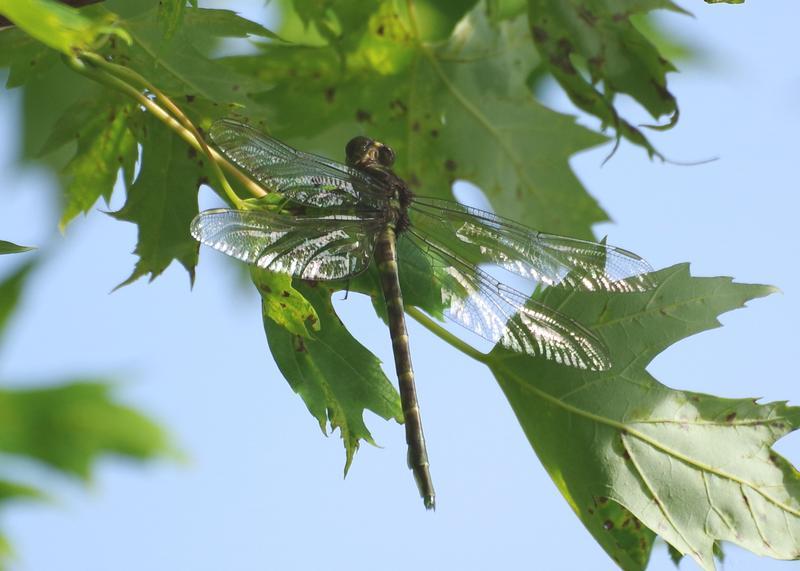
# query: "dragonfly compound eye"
[385,155]
[356,150]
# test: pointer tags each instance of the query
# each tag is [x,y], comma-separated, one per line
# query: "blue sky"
[262,488]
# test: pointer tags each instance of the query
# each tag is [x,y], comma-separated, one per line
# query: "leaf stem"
[85,67]
[124,73]
[445,335]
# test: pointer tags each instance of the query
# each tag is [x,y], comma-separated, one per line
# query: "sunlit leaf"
[58,26]
[456,110]
[336,376]
[694,468]
[283,304]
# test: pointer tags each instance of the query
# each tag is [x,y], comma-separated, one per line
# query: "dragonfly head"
[363,151]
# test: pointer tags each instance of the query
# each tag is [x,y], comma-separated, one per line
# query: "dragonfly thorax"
[375,158]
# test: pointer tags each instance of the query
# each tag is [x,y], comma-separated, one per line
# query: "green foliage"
[162,202]
[283,304]
[60,27]
[336,376]
[450,110]
[11,248]
[104,144]
[67,425]
[448,86]
[697,468]
[590,42]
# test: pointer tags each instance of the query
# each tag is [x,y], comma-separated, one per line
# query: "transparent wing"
[501,314]
[547,258]
[311,248]
[305,178]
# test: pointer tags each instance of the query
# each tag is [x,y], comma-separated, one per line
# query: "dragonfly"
[340,219]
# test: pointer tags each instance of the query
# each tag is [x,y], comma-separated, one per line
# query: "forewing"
[306,247]
[547,258]
[302,177]
[501,314]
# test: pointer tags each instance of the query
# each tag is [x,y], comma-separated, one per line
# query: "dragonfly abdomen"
[386,259]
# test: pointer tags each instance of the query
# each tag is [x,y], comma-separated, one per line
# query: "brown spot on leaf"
[192,152]
[662,91]
[620,16]
[773,458]
[330,93]
[363,116]
[540,35]
[597,62]
[560,58]
[311,319]
[730,417]
[265,288]
[413,180]
[381,30]
[189,98]
[299,344]
[285,293]
[415,126]
[450,165]
[587,16]
[202,180]
[235,88]
[399,106]
[602,500]
[434,133]
[283,305]
[608,525]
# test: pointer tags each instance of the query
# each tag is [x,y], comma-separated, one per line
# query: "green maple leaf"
[61,27]
[67,426]
[447,86]
[179,65]
[162,202]
[336,376]
[70,426]
[105,144]
[598,36]
[24,56]
[625,450]
[459,109]
[7,247]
